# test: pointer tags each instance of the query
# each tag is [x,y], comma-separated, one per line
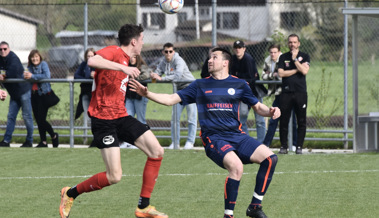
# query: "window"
[182,17]
[227,20]
[154,20]
[293,20]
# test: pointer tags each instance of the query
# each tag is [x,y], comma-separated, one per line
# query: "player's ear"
[133,42]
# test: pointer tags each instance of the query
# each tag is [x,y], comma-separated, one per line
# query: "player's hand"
[137,87]
[92,74]
[133,72]
[275,112]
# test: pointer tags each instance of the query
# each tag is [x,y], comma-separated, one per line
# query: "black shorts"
[108,133]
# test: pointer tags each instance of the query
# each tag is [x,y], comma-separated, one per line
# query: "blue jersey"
[218,103]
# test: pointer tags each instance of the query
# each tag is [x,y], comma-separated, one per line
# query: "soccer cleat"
[66,203]
[228,216]
[255,212]
[299,150]
[283,151]
[149,212]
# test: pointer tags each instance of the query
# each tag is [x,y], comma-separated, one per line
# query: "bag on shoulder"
[51,99]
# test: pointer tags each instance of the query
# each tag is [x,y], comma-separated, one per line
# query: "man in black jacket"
[244,67]
[11,67]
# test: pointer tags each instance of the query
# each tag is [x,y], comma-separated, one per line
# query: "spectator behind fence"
[136,104]
[110,123]
[84,72]
[20,92]
[270,72]
[217,98]
[244,67]
[175,68]
[293,66]
[3,95]
[38,70]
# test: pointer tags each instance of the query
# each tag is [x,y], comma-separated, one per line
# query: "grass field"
[189,185]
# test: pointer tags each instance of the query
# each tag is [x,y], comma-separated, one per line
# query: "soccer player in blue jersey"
[218,98]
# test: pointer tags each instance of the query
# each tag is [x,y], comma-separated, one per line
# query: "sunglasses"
[168,51]
[3,49]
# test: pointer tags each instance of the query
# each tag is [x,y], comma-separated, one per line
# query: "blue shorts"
[217,146]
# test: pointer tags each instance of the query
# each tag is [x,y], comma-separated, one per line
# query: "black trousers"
[299,102]
[40,115]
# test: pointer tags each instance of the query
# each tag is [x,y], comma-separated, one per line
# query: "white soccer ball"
[171,6]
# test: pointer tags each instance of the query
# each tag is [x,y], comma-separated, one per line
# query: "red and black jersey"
[109,87]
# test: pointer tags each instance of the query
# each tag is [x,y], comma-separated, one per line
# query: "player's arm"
[265,111]
[101,63]
[165,99]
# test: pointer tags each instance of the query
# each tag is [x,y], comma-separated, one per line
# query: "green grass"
[313,185]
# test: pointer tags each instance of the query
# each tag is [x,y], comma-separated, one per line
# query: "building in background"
[20,32]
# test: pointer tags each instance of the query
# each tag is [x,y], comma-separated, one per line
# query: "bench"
[368,132]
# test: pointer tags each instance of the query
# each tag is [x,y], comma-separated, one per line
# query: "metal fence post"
[71,82]
[175,113]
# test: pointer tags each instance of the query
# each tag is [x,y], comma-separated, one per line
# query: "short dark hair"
[4,43]
[294,35]
[129,32]
[168,45]
[274,46]
[31,54]
[225,53]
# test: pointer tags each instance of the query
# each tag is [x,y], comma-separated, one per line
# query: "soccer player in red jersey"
[110,123]
[218,98]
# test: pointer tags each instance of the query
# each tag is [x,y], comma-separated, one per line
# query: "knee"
[114,178]
[236,171]
[274,160]
[156,153]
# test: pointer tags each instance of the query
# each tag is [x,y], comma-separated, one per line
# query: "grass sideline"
[314,185]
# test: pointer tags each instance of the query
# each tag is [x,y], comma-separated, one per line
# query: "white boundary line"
[195,174]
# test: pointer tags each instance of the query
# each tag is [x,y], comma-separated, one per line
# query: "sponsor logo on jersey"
[108,140]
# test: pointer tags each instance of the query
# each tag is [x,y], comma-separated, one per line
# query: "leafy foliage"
[320,111]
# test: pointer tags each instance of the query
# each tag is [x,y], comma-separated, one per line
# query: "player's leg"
[222,153]
[149,144]
[235,168]
[267,160]
[105,138]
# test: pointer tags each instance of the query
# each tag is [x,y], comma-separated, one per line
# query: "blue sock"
[231,192]
[263,179]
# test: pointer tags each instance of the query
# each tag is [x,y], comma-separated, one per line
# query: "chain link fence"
[58,31]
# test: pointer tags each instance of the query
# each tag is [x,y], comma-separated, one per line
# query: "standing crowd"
[115,105]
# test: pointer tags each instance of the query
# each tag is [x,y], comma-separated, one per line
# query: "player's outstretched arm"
[263,110]
[165,99]
[101,63]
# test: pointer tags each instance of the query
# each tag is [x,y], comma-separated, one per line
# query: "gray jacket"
[176,69]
